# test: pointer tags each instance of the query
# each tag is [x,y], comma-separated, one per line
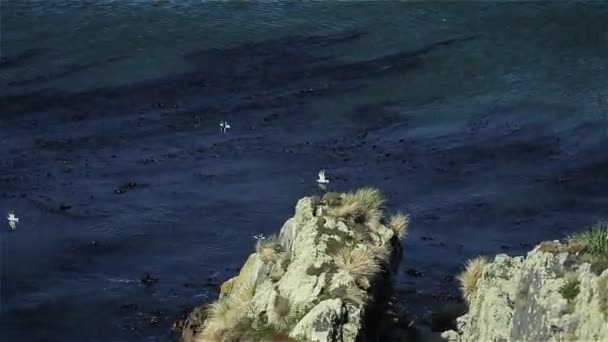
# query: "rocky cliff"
[558,292]
[327,276]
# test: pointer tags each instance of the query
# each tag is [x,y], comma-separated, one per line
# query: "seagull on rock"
[259,237]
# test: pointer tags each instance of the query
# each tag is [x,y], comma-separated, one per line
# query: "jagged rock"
[550,295]
[323,323]
[226,287]
[296,286]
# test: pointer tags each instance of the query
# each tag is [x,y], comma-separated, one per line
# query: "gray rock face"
[546,296]
[318,281]
[324,323]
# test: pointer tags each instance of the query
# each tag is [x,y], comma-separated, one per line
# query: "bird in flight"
[12,220]
[322,181]
[224,125]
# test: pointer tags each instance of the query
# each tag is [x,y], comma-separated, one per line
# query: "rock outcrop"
[558,292]
[326,277]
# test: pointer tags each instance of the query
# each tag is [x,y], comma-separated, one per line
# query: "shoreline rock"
[558,292]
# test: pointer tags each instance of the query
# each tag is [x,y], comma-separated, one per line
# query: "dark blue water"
[487,122]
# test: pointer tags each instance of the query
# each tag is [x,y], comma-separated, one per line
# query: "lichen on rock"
[552,294]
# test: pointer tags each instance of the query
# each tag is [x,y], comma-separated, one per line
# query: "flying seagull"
[322,181]
[224,125]
[12,220]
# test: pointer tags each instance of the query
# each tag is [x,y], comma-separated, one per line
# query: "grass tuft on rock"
[595,239]
[361,261]
[399,224]
[284,318]
[593,246]
[227,317]
[575,247]
[355,295]
[551,247]
[361,206]
[470,277]
[570,289]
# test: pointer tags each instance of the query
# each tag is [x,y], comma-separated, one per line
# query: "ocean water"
[487,122]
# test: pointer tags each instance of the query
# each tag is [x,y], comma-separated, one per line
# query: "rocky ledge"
[327,276]
[558,292]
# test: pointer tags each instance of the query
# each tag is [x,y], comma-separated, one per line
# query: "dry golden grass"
[284,317]
[362,206]
[269,249]
[470,277]
[551,247]
[571,288]
[359,262]
[399,224]
[356,295]
[344,210]
[381,253]
[575,246]
[225,317]
[367,198]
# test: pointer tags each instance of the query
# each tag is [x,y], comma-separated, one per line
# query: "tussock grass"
[399,224]
[269,250]
[284,317]
[575,246]
[361,261]
[592,245]
[227,317]
[549,247]
[367,198]
[570,289]
[595,239]
[470,277]
[382,254]
[362,206]
[355,295]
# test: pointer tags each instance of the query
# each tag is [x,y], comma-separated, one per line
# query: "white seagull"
[322,181]
[12,220]
[224,125]
[259,237]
